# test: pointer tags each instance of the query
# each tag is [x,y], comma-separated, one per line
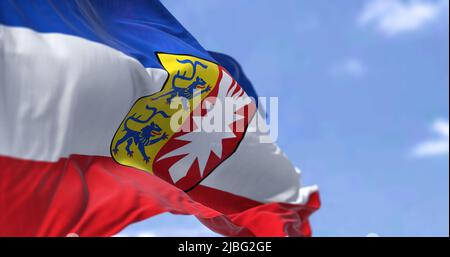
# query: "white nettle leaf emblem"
[201,143]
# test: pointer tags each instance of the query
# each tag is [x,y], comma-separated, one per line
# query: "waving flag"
[88,139]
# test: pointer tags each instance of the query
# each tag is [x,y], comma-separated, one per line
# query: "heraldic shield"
[164,134]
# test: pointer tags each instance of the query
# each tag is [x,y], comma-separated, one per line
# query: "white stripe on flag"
[63,95]
[259,171]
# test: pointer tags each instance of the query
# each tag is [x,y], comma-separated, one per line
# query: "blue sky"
[363,89]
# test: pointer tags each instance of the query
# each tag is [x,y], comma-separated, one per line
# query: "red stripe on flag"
[269,219]
[95,196]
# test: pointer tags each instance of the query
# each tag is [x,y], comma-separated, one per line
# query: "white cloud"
[438,146]
[169,232]
[140,234]
[392,17]
[350,67]
[167,225]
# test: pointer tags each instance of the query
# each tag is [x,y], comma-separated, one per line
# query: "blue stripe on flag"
[138,28]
